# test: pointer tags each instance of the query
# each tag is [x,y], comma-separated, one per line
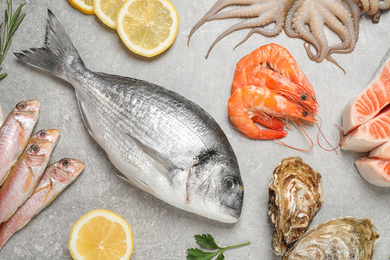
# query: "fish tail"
[57,55]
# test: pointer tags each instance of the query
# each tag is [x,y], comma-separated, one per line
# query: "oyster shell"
[339,238]
[295,196]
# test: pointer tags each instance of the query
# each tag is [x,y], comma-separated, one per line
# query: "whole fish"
[26,173]
[163,143]
[15,133]
[55,179]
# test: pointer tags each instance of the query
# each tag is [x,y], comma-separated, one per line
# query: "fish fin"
[58,52]
[137,183]
[168,166]
[28,182]
[84,116]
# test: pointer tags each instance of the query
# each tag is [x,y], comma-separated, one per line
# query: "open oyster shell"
[339,238]
[295,196]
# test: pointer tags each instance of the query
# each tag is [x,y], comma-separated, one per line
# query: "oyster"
[339,238]
[295,196]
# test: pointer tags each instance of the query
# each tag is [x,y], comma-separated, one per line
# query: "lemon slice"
[85,6]
[107,11]
[101,234]
[148,27]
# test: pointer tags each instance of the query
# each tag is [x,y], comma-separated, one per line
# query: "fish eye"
[64,163]
[303,97]
[42,133]
[21,105]
[229,182]
[304,113]
[34,148]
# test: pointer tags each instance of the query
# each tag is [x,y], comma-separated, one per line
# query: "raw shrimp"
[250,101]
[272,66]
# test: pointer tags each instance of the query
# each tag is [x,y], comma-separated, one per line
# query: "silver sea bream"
[163,143]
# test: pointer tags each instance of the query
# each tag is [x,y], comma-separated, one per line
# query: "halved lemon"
[85,6]
[148,27]
[101,234]
[107,11]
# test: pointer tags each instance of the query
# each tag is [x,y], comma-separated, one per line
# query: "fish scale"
[160,141]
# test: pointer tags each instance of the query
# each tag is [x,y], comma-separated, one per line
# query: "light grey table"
[162,231]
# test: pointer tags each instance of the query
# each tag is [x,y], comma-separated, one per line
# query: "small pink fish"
[14,134]
[26,173]
[55,179]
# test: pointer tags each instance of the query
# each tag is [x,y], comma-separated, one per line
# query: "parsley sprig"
[207,241]
[11,23]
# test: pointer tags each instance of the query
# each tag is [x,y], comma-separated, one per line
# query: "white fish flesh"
[163,143]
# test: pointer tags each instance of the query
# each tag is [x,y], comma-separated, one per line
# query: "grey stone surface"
[160,230]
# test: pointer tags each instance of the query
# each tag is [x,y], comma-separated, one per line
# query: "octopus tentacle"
[384,4]
[305,33]
[266,32]
[363,4]
[304,19]
[270,32]
[307,24]
[254,22]
[341,22]
[355,12]
[221,4]
[374,5]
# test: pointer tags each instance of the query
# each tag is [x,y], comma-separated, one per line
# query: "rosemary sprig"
[207,241]
[11,23]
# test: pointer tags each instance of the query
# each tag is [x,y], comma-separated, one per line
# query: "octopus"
[304,19]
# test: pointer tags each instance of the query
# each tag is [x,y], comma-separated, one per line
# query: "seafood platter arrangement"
[166,129]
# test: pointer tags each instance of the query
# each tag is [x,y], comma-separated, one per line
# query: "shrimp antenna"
[323,136]
[299,149]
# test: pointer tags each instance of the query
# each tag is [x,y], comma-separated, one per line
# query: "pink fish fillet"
[55,179]
[371,101]
[370,134]
[26,173]
[15,133]
[374,170]
[382,151]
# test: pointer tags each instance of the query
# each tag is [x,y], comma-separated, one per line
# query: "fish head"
[47,135]
[66,170]
[215,188]
[40,146]
[26,112]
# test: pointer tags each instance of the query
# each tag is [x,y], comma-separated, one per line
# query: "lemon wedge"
[101,234]
[107,11]
[85,6]
[148,27]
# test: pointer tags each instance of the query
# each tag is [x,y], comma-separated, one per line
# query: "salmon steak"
[369,135]
[371,101]
[374,170]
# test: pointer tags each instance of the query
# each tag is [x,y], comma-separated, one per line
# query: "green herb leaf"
[11,23]
[196,253]
[207,241]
